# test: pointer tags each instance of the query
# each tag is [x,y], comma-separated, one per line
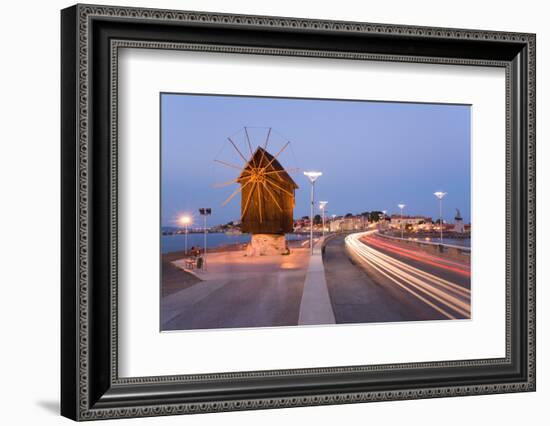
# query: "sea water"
[176,242]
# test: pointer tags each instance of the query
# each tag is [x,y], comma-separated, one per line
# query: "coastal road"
[371,279]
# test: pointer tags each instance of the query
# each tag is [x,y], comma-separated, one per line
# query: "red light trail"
[448,298]
[419,256]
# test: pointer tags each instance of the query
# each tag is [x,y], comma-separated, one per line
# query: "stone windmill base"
[267,245]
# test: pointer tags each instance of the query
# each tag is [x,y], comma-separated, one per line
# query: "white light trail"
[450,299]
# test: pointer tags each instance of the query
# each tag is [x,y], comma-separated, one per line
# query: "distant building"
[397,221]
[335,224]
[352,223]
[459,223]
[301,224]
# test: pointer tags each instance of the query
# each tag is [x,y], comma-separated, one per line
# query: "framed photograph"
[263,212]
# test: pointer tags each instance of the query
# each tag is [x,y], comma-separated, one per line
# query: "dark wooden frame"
[90,386]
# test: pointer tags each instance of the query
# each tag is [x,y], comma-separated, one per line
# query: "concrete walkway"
[315,307]
[238,291]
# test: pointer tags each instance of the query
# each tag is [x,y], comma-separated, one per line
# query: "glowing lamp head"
[185,220]
[322,204]
[401,206]
[312,175]
[440,194]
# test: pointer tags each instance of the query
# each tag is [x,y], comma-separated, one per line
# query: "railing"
[450,249]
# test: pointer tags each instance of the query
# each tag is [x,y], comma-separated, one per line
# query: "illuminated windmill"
[267,198]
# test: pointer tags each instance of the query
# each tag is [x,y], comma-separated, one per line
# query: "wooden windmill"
[267,198]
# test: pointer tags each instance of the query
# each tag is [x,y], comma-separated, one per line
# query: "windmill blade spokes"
[249,146]
[279,187]
[258,187]
[247,203]
[278,173]
[262,160]
[267,138]
[272,196]
[233,166]
[239,189]
[279,153]
[292,169]
[223,184]
[238,150]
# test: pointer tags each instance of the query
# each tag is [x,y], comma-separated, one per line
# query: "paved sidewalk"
[238,291]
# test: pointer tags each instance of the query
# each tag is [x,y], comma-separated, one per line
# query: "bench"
[190,263]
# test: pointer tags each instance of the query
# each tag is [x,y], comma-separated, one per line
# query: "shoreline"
[238,246]
[179,254]
[234,246]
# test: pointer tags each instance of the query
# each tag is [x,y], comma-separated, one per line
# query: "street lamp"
[440,195]
[401,206]
[312,176]
[382,220]
[205,211]
[185,220]
[322,205]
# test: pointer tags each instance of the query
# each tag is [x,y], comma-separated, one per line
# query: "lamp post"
[185,221]
[312,176]
[205,211]
[401,206]
[440,195]
[322,205]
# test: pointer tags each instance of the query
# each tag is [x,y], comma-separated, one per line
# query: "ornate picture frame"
[91,38]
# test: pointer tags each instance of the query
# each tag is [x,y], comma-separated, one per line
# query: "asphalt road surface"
[371,280]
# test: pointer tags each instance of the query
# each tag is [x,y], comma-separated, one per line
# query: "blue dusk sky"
[373,155]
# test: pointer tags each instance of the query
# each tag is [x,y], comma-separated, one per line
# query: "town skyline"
[195,221]
[429,151]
